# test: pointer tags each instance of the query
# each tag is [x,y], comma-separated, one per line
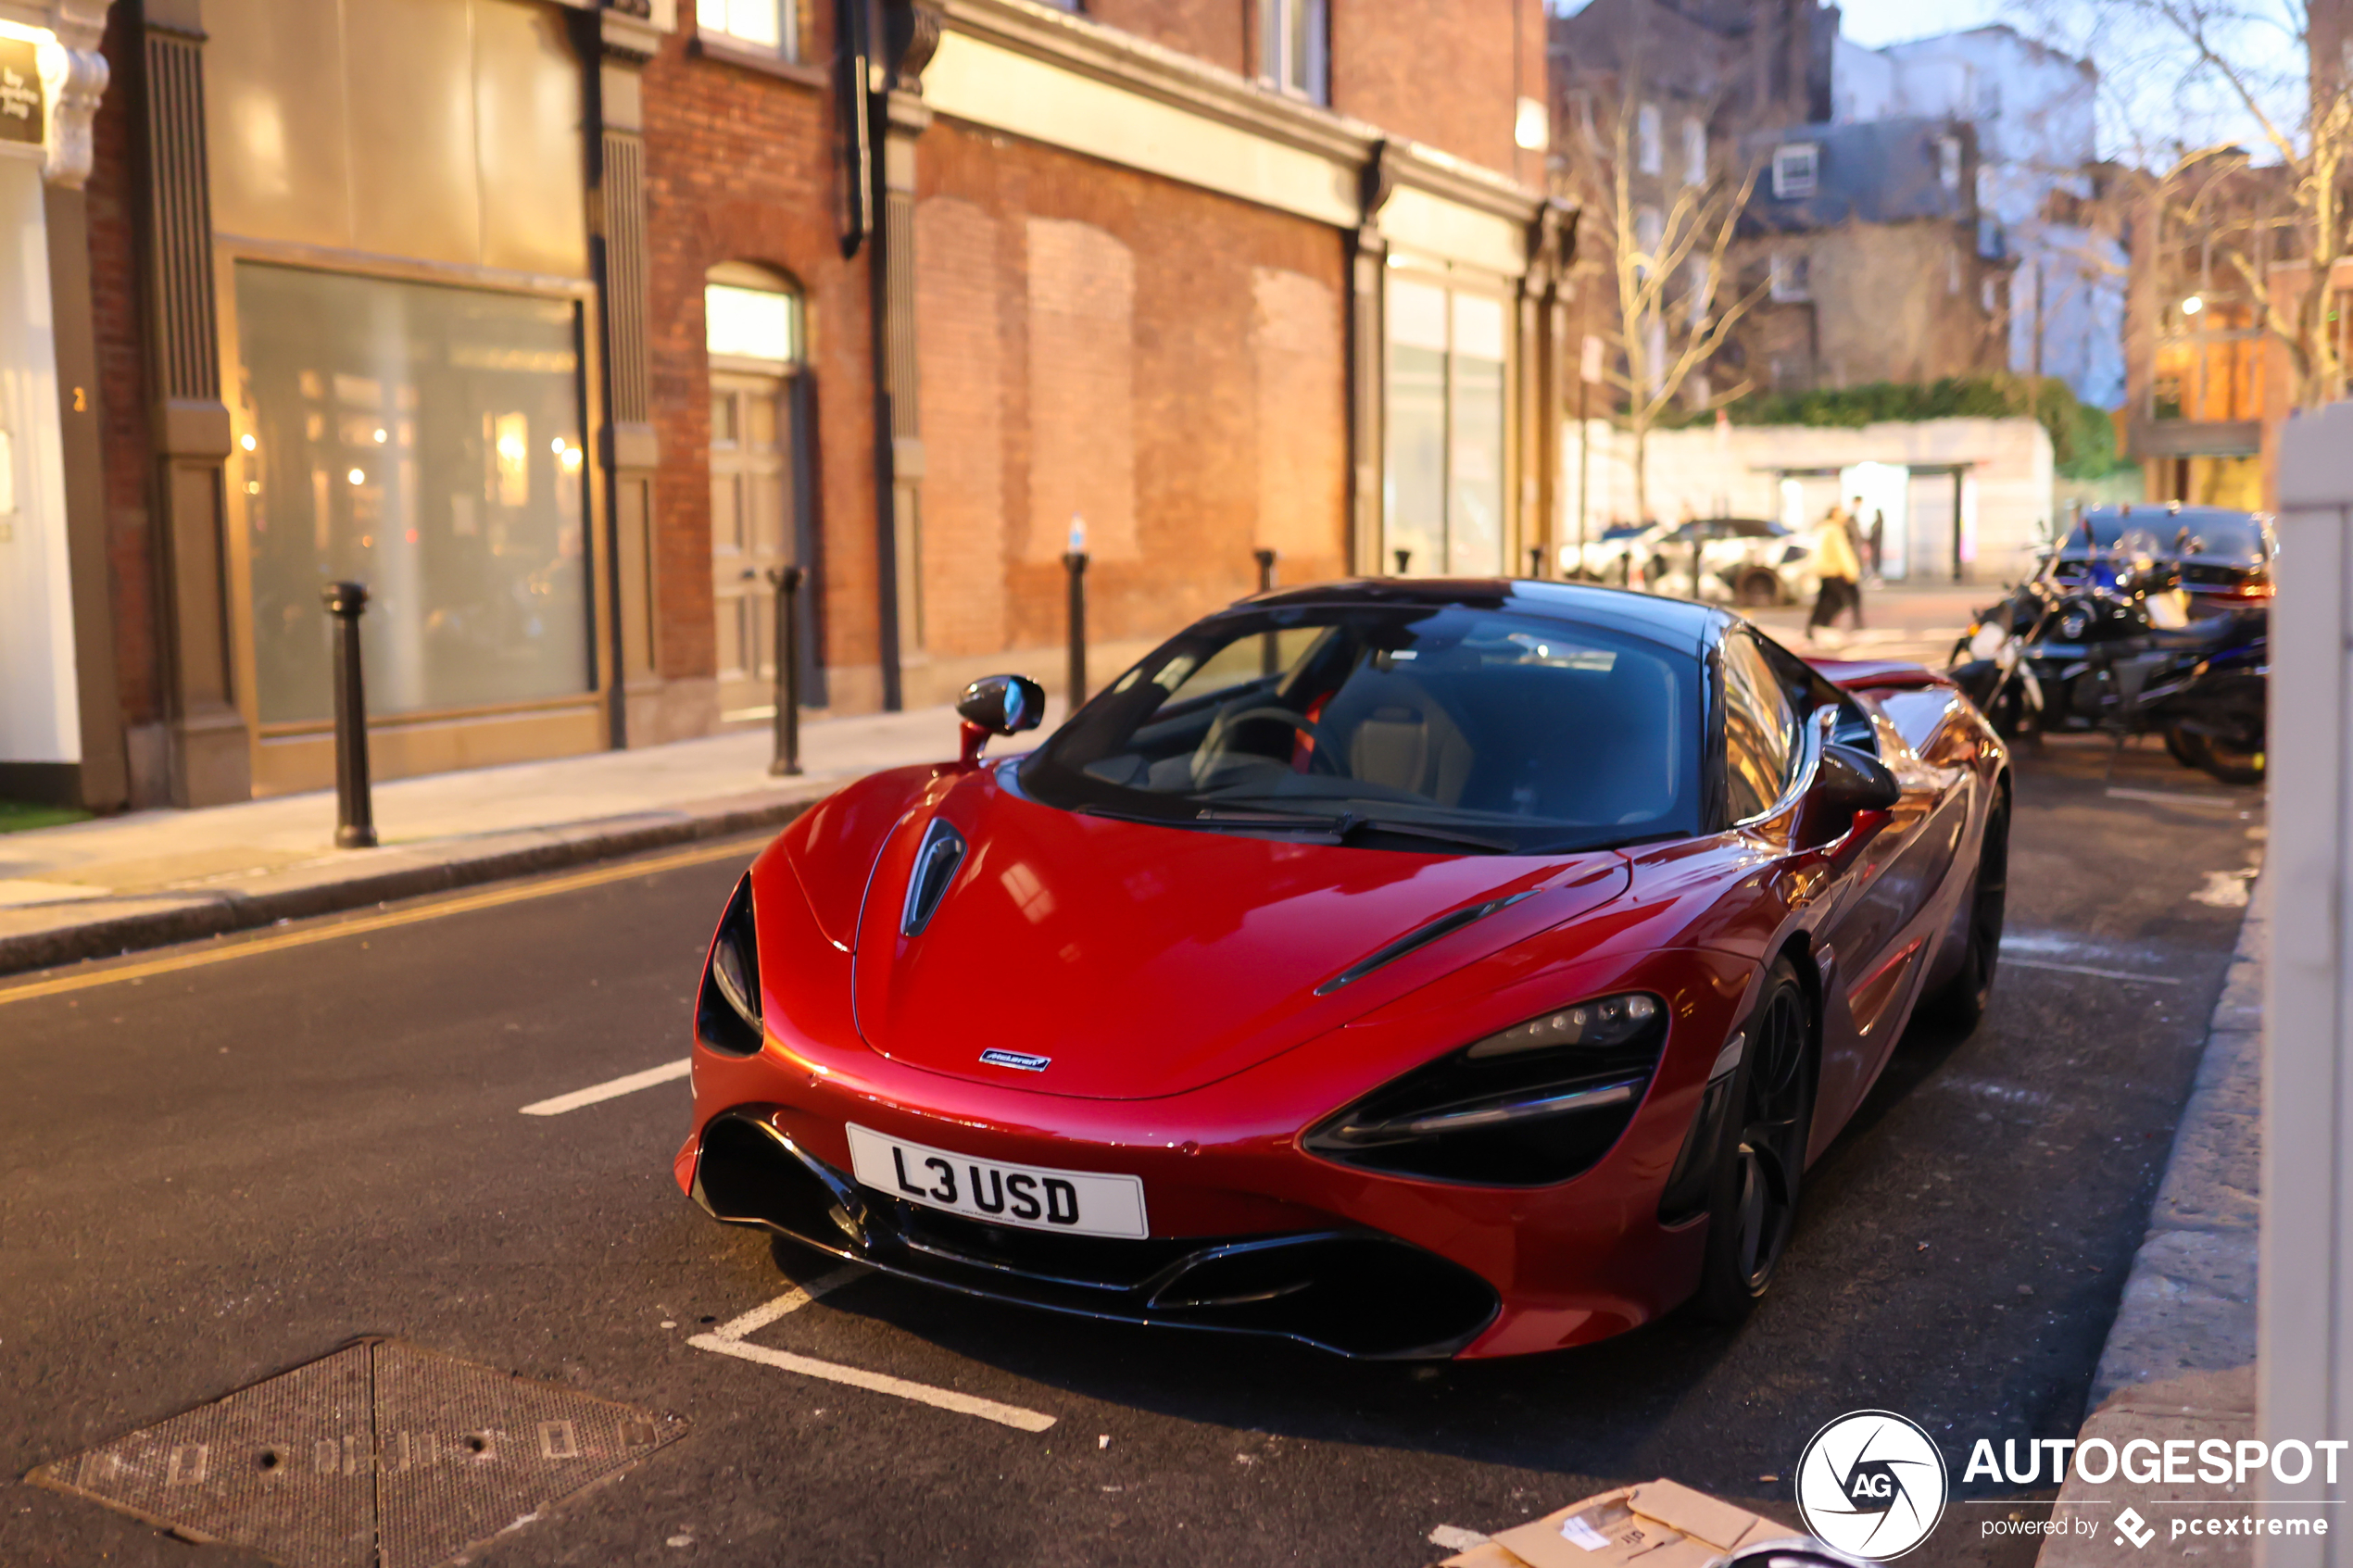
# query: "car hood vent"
[937,859]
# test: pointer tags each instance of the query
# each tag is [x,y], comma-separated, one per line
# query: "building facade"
[563,327]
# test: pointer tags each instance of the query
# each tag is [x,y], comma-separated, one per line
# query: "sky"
[1874,23]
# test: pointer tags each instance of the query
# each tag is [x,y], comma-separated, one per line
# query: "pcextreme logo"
[1872,1485]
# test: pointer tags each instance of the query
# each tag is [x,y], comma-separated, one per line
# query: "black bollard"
[1074,562]
[786,580]
[355,808]
[1536,561]
[1695,566]
[1405,558]
[1269,658]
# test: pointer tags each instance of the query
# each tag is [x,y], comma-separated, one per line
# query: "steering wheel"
[1213,745]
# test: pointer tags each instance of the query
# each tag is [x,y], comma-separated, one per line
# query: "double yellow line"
[514,893]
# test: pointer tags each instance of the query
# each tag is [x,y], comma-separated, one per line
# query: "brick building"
[562,326]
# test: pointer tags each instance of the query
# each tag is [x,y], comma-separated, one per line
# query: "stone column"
[1368,363]
[624,40]
[210,747]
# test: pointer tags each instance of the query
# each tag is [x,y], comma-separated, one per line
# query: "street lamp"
[2192,306]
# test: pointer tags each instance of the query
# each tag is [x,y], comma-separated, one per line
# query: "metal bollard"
[786,580]
[1536,561]
[1270,658]
[355,807]
[1074,562]
[1694,567]
[1405,558]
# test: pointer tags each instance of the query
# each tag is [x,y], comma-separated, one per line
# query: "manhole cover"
[382,1455]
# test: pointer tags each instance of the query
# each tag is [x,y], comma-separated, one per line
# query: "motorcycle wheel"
[2226,760]
[2181,745]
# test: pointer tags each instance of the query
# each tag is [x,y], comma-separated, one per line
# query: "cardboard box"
[1656,1525]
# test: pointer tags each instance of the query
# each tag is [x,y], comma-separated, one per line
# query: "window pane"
[753,21]
[1474,531]
[751,323]
[1416,445]
[424,441]
[1758,730]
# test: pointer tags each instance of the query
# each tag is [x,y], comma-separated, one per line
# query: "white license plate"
[1078,1203]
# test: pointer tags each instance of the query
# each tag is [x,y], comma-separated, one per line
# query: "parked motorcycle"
[2123,656]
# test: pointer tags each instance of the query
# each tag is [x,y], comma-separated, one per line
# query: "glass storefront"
[1445,440]
[425,440]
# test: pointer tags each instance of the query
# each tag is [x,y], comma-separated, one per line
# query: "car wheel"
[1759,589]
[2181,745]
[1962,1001]
[1752,1211]
[2229,761]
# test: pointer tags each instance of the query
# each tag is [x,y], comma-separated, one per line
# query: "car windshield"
[1421,727]
[2190,532]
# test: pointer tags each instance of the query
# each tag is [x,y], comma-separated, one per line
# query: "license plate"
[1078,1203]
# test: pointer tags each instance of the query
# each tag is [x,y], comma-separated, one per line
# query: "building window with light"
[426,441]
[1650,155]
[1795,167]
[1294,47]
[1694,151]
[768,27]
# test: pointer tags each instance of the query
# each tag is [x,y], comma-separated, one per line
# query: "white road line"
[921,1393]
[727,1341]
[2086,968]
[669,1072]
[2174,797]
[791,1300]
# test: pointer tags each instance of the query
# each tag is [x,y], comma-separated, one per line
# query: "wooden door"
[752,531]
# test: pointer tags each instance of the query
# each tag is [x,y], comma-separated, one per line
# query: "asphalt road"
[216,1171]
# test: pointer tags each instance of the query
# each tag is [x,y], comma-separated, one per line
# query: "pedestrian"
[1879,545]
[1855,544]
[1836,566]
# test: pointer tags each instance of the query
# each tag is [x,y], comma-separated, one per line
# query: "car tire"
[1752,1208]
[2220,760]
[1964,998]
[1760,589]
[2181,745]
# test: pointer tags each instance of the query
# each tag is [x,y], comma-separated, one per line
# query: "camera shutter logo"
[1873,1484]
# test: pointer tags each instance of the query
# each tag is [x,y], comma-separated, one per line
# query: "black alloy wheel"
[1753,1209]
[1963,1000]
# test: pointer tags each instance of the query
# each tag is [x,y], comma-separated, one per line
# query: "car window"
[1760,729]
[1752,527]
[1533,733]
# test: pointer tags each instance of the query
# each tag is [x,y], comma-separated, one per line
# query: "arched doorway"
[763,491]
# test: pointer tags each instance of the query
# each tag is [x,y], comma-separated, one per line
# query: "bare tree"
[2262,66]
[1668,316]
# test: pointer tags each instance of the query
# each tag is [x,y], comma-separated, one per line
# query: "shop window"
[1294,41]
[425,440]
[770,26]
[1444,444]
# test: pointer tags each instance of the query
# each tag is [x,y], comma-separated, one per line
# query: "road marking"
[700,854]
[2086,968]
[728,1339]
[668,1073]
[2174,797]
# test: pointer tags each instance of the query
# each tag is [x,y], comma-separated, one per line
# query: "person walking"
[1854,543]
[1835,565]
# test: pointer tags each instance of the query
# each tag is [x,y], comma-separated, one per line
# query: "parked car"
[1405,968]
[1749,561]
[2225,556]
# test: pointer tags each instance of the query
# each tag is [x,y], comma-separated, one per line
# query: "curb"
[395,872]
[2180,1357]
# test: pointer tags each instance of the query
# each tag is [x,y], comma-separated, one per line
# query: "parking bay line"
[2086,968]
[668,1073]
[728,1339]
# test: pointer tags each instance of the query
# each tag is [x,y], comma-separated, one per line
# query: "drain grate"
[382,1455]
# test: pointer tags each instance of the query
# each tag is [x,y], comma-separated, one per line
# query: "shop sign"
[20,119]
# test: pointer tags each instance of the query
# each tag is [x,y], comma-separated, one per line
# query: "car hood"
[1141,961]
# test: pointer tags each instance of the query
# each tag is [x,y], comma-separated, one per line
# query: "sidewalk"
[2179,1360]
[148,878]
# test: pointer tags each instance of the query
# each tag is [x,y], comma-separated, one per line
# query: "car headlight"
[727,1009]
[1528,1105]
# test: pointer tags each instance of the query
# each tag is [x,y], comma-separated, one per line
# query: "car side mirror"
[1851,796]
[997,705]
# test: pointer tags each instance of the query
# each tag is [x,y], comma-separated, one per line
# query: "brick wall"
[739,166]
[1445,72]
[1214,31]
[1163,359]
[113,198]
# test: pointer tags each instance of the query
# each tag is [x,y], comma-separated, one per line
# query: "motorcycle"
[2123,656]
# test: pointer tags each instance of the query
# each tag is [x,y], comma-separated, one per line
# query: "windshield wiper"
[1344,825]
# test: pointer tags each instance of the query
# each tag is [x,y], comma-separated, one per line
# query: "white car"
[1745,560]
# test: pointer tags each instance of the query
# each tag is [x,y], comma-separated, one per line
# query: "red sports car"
[1407,968]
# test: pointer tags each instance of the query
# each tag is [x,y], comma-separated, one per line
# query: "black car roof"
[1676,622]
